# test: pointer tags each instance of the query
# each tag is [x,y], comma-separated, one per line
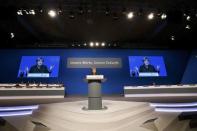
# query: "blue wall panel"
[190,75]
[175,62]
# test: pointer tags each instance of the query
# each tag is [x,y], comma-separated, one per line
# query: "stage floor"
[120,116]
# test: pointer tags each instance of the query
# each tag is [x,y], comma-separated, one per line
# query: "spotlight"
[130,15]
[150,16]
[188,27]
[71,15]
[26,12]
[163,16]
[172,37]
[59,12]
[12,35]
[52,13]
[85,44]
[91,44]
[102,44]
[115,16]
[107,11]
[60,9]
[40,9]
[32,12]
[19,12]
[188,18]
[97,44]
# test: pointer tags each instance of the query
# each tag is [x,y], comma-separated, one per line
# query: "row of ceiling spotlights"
[54,13]
[94,44]
[129,15]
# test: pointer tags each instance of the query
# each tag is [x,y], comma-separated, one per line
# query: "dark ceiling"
[98,20]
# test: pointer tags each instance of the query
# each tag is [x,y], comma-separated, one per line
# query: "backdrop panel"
[175,62]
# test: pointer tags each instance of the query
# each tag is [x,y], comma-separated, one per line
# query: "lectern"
[94,91]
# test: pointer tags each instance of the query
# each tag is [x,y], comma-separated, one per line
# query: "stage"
[120,116]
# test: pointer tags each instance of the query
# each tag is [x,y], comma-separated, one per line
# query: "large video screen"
[147,66]
[39,66]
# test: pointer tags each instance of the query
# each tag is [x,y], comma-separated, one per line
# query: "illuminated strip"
[17,108]
[176,109]
[161,95]
[173,104]
[160,87]
[32,88]
[17,113]
[28,97]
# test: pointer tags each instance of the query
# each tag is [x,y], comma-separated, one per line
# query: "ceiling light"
[130,15]
[71,15]
[163,16]
[188,18]
[19,12]
[12,35]
[91,44]
[97,44]
[102,44]
[172,38]
[150,16]
[32,12]
[188,27]
[27,13]
[52,13]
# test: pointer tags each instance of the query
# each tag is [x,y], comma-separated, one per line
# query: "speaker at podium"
[94,90]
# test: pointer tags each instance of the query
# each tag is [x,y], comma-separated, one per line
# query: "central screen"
[39,66]
[147,66]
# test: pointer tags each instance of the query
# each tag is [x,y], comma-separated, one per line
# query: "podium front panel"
[94,89]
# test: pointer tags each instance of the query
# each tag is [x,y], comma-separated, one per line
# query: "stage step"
[193,123]
[120,116]
[187,116]
[178,126]
[89,120]
[89,116]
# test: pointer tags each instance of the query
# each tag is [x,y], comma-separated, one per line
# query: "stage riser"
[163,94]
[188,116]
[27,94]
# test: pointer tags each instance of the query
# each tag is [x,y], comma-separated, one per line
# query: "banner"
[94,62]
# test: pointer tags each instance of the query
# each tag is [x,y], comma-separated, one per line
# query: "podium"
[94,91]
